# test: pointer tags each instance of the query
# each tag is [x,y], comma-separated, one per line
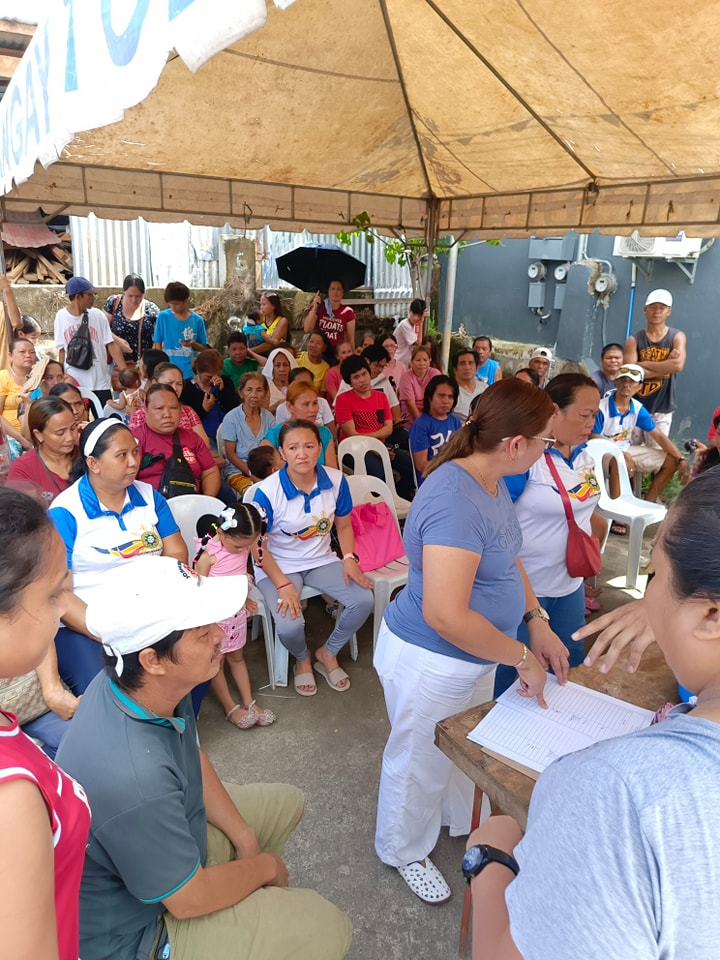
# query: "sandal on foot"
[334,677]
[619,529]
[426,882]
[263,718]
[304,680]
[591,606]
[244,723]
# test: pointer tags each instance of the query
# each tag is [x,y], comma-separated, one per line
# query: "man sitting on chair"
[627,423]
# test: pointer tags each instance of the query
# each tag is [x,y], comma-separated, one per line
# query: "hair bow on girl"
[229,521]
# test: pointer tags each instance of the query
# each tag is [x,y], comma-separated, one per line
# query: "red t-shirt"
[194,450]
[69,813]
[368,414]
[28,471]
[334,327]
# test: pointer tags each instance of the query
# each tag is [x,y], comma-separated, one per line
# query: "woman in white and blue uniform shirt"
[540,510]
[301,503]
[105,518]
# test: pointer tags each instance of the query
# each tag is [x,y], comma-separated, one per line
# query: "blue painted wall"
[492,294]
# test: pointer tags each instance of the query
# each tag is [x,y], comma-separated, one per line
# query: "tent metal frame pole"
[449,305]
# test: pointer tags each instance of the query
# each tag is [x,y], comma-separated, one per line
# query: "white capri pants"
[421,790]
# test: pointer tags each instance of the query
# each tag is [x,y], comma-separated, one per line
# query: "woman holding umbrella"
[331,317]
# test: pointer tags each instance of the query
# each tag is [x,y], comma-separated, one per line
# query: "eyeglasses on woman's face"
[548,441]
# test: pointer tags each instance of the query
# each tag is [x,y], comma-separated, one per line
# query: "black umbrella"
[314,267]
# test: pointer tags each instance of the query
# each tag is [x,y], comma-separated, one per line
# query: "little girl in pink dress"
[225,544]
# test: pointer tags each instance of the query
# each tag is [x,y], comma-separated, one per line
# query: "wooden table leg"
[467,899]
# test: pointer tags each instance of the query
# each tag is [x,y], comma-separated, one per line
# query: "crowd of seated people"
[271,419]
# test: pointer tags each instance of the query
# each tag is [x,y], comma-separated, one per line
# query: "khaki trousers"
[273,923]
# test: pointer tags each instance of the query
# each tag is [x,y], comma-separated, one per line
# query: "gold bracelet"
[523,658]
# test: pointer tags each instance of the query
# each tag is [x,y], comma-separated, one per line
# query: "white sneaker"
[426,882]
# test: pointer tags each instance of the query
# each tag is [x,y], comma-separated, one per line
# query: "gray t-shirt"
[620,858]
[148,835]
[452,509]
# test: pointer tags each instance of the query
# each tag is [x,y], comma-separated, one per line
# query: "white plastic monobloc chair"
[219,442]
[187,511]
[355,449]
[94,399]
[637,514]
[281,656]
[366,489]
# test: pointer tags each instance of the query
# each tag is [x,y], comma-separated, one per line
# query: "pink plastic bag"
[377,538]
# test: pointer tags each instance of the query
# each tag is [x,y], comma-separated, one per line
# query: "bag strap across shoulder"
[562,491]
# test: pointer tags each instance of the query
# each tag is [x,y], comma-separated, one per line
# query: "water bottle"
[4,457]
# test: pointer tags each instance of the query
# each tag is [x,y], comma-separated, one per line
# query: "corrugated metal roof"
[31,232]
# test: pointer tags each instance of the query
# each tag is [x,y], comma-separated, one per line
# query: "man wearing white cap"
[660,350]
[619,417]
[178,864]
[540,360]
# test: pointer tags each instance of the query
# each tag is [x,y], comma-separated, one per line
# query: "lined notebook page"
[576,717]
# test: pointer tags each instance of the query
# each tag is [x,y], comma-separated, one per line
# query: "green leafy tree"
[412,252]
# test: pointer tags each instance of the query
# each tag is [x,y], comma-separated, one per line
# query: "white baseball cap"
[543,353]
[145,599]
[659,296]
[632,370]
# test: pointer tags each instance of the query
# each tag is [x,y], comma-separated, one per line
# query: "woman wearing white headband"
[105,517]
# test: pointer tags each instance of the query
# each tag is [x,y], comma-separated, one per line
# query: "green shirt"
[236,370]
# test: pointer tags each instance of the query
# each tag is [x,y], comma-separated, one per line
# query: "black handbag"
[79,352]
[177,478]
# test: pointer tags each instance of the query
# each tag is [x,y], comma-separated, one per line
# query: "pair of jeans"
[79,658]
[50,728]
[567,614]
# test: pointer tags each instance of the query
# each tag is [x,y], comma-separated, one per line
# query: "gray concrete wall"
[492,293]
[43,301]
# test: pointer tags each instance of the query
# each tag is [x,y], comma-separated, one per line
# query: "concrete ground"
[331,746]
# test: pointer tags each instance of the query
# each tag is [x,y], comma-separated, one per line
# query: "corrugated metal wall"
[105,251]
[386,279]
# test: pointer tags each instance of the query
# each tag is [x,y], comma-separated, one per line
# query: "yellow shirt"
[318,370]
[11,392]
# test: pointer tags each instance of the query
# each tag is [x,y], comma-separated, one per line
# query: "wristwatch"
[537,612]
[351,556]
[478,857]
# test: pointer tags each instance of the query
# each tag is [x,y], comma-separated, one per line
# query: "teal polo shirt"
[148,835]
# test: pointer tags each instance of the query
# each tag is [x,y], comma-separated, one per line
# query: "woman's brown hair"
[207,361]
[297,388]
[509,408]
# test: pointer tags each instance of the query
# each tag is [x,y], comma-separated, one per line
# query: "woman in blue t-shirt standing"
[456,618]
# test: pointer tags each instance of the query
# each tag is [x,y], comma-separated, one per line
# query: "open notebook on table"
[527,737]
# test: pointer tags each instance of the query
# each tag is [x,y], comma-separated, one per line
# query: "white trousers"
[421,790]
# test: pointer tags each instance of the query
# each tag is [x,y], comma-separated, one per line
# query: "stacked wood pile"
[50,264]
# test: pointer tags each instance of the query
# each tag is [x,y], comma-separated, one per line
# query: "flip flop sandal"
[334,677]
[304,680]
[244,723]
[426,882]
[263,718]
[619,529]
[591,606]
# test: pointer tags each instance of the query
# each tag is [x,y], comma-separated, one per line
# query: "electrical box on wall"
[552,248]
[559,301]
[536,295]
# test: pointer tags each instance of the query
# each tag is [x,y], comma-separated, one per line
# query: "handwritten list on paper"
[577,717]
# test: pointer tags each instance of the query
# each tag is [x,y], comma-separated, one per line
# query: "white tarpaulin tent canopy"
[482,117]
